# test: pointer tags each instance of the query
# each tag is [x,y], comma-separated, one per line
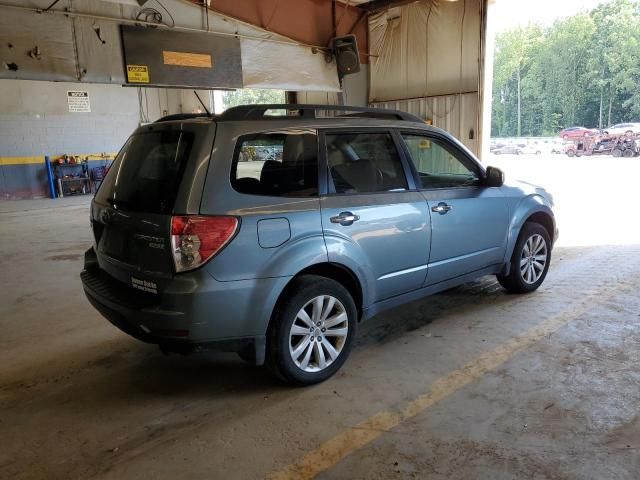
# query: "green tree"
[620,22]
[251,96]
[512,59]
[582,70]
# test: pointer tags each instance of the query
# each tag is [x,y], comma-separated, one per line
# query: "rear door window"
[364,162]
[147,172]
[276,164]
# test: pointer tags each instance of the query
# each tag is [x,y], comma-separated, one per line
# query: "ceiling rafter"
[380,5]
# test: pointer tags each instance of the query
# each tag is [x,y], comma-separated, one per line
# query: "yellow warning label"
[183,59]
[137,74]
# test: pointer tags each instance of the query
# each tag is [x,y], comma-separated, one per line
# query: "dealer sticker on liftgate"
[144,285]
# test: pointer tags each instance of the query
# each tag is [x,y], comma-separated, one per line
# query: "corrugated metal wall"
[457,114]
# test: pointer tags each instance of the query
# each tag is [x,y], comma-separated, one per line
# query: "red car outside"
[572,133]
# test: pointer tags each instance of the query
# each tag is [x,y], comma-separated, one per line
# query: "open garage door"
[426,60]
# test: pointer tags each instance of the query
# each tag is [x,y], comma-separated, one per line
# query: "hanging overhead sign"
[78,101]
[187,59]
[157,57]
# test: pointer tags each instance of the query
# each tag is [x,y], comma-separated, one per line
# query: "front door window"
[437,165]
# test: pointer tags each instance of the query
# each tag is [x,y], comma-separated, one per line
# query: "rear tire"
[312,331]
[530,260]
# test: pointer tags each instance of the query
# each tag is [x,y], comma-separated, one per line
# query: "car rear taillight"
[195,239]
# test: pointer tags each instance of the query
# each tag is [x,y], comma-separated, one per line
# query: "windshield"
[147,172]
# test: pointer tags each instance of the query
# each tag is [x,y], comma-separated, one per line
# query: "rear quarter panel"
[245,258]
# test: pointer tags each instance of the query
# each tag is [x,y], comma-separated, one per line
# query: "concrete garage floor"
[471,383]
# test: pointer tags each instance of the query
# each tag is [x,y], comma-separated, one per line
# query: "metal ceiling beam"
[380,5]
[129,21]
[313,22]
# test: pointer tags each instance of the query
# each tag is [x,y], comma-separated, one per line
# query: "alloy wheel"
[533,258]
[318,333]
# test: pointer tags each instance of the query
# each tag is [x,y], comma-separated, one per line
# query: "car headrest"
[336,157]
[359,175]
[293,150]
[270,175]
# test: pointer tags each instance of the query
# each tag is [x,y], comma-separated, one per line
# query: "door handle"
[441,208]
[345,218]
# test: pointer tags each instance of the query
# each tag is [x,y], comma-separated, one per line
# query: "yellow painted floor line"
[332,451]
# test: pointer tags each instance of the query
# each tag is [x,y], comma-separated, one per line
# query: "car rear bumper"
[194,311]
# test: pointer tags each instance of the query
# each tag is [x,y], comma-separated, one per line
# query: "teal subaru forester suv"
[273,230]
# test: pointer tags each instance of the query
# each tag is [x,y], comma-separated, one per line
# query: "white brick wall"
[34,117]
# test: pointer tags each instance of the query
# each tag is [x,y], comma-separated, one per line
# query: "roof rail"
[304,111]
[182,116]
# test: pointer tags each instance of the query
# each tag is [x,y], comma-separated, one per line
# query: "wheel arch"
[334,271]
[533,208]
[544,219]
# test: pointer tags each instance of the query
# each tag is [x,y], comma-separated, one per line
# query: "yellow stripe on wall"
[20,160]
[38,160]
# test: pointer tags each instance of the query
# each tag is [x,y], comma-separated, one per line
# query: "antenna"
[202,103]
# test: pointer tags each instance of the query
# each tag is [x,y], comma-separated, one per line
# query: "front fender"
[525,208]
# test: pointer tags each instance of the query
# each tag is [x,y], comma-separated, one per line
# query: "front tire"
[530,260]
[312,331]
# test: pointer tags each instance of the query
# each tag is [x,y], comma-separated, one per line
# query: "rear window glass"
[276,164]
[147,172]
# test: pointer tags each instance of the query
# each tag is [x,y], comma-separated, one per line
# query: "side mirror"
[494,177]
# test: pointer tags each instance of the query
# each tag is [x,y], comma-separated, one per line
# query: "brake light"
[195,239]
